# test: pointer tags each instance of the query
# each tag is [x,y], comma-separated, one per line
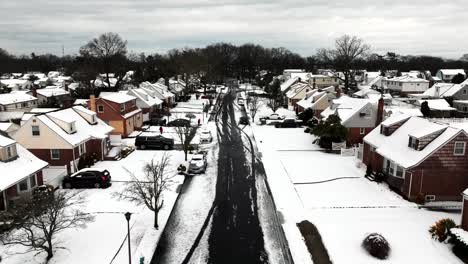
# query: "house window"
[362,131]
[100,109]
[459,148]
[464,91]
[55,154]
[390,168]
[23,186]
[413,143]
[122,107]
[32,181]
[9,152]
[35,131]
[82,149]
[399,171]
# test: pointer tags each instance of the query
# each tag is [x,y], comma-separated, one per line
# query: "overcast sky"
[406,27]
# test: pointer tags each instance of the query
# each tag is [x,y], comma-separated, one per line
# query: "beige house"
[296,93]
[17,102]
[322,81]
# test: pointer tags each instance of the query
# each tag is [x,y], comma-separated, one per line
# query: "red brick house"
[359,116]
[61,137]
[118,110]
[420,158]
[20,171]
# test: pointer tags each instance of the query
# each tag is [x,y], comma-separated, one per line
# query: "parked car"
[156,121]
[92,177]
[179,123]
[275,116]
[288,122]
[198,163]
[244,120]
[157,142]
[205,136]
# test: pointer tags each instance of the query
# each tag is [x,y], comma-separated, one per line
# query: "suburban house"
[17,102]
[287,74]
[446,75]
[317,100]
[321,81]
[420,158]
[118,110]
[52,94]
[147,101]
[61,137]
[438,107]
[9,128]
[21,171]
[288,83]
[359,116]
[160,91]
[405,85]
[296,93]
[449,91]
[177,87]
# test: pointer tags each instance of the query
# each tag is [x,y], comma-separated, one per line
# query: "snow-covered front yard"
[101,239]
[305,187]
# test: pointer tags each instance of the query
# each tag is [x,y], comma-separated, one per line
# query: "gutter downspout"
[411,182]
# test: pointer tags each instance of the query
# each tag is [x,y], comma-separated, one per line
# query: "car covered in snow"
[198,163]
[205,136]
[88,178]
[275,116]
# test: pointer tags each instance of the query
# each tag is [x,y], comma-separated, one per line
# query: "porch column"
[464,221]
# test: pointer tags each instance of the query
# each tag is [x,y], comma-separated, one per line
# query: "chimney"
[92,103]
[437,91]
[464,222]
[380,111]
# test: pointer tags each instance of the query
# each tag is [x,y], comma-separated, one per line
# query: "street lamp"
[127,216]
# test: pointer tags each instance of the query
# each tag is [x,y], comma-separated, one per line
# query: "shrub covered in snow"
[441,229]
[459,238]
[376,245]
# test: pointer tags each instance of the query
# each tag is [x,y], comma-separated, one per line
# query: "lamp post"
[127,216]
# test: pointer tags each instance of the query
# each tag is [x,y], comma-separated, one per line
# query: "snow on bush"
[441,229]
[376,245]
[461,235]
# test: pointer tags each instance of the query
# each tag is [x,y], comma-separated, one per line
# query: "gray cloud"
[406,27]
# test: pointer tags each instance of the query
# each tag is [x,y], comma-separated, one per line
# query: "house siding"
[354,136]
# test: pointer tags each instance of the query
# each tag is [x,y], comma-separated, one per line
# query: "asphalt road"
[236,234]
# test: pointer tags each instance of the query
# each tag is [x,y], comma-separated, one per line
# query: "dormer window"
[9,152]
[413,143]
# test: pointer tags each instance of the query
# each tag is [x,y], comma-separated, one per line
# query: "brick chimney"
[92,103]
[380,111]
[464,221]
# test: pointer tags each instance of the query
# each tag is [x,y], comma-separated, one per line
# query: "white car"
[275,116]
[205,136]
[198,164]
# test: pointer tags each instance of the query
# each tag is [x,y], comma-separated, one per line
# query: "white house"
[446,75]
[17,102]
[406,84]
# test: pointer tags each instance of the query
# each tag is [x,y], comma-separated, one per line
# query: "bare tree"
[347,50]
[110,49]
[185,136]
[37,222]
[253,106]
[149,189]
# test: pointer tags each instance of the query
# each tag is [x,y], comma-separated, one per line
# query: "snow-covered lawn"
[344,210]
[101,239]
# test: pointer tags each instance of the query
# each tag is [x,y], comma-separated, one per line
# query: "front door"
[2,201]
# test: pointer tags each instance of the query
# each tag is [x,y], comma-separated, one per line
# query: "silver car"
[198,164]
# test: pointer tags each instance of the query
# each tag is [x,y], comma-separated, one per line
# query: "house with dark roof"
[420,159]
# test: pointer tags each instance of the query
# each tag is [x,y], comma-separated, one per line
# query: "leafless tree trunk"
[185,135]
[253,106]
[149,189]
[37,222]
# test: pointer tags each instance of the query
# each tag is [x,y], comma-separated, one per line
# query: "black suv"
[179,123]
[155,121]
[93,177]
[288,122]
[158,142]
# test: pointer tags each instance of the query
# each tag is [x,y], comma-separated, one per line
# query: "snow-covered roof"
[285,86]
[119,98]
[145,97]
[12,98]
[407,79]
[443,90]
[365,91]
[11,83]
[5,141]
[395,119]
[160,90]
[50,92]
[395,146]
[297,88]
[461,234]
[437,104]
[452,71]
[132,113]
[81,102]
[84,130]
[346,107]
[390,111]
[4,126]
[18,169]
[465,192]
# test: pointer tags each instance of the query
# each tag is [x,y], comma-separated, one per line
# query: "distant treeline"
[214,62]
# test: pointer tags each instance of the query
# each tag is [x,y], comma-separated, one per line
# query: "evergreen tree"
[459,78]
[425,110]
[330,131]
